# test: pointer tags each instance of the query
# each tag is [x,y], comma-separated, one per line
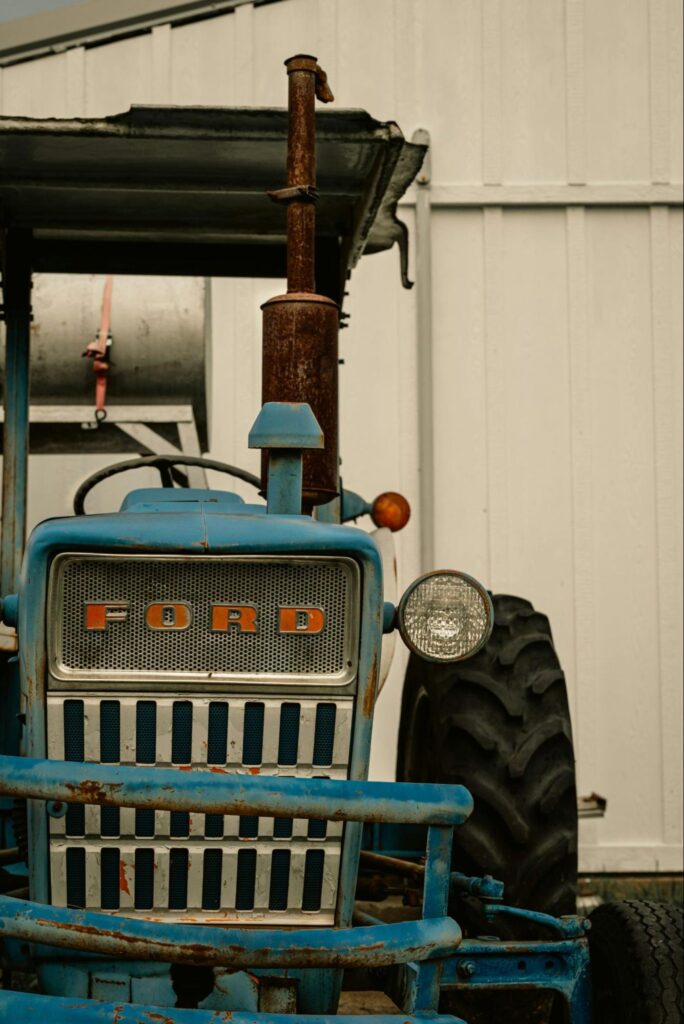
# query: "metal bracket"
[294,194]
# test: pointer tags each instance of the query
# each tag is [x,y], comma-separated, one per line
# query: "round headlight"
[445,616]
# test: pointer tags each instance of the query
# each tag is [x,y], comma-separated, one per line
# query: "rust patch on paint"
[123,881]
[92,792]
[369,698]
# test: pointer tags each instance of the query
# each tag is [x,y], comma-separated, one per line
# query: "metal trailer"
[187,717]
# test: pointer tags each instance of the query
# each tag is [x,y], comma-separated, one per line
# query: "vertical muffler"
[300,328]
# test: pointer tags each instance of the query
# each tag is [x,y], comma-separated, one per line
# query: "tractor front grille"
[132,649]
[175,865]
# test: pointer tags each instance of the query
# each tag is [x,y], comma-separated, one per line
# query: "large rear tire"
[499,723]
[636,963]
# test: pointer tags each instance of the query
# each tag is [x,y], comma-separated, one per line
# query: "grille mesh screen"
[129,645]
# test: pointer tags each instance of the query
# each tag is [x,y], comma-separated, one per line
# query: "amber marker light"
[391,510]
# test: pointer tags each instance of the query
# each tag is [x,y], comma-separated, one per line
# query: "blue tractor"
[189,683]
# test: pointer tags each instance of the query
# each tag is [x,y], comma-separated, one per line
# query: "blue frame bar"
[240,948]
[221,792]
[556,966]
[435,903]
[16,1006]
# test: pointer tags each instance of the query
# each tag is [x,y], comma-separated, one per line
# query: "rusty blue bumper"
[424,956]
[15,1006]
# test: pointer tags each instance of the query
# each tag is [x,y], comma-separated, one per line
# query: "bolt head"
[466,968]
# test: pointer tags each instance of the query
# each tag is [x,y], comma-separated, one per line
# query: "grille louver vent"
[172,865]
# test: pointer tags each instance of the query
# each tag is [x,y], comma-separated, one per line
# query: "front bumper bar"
[16,1006]
[218,791]
[239,948]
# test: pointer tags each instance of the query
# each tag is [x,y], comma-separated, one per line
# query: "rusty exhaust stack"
[300,328]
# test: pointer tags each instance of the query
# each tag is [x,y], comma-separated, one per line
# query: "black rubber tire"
[636,963]
[499,723]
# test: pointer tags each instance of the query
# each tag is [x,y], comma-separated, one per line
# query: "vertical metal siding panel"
[461,513]
[285,29]
[236,378]
[75,98]
[666,277]
[676,87]
[618,107]
[201,75]
[497,404]
[659,90]
[36,88]
[244,56]
[533,90]
[492,124]
[534,412]
[327,12]
[586,724]
[378,329]
[619,330]
[450,87]
[576,99]
[160,47]
[365,62]
[118,75]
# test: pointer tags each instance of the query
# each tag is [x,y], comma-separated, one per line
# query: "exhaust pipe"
[300,328]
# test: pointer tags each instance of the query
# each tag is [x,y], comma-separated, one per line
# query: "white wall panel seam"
[542,193]
[586,720]
[666,521]
[619,857]
[497,405]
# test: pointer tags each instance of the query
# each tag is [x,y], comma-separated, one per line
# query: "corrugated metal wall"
[556,301]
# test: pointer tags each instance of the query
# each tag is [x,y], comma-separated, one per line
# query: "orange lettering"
[98,616]
[223,616]
[167,616]
[301,620]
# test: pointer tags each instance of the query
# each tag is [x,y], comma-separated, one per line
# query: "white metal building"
[553,217]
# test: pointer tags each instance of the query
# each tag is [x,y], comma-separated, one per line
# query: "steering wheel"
[165,464]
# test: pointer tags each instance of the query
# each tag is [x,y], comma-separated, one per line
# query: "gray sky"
[10,9]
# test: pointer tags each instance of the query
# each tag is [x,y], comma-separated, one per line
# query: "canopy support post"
[16,286]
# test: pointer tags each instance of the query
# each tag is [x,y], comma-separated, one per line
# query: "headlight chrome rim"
[471,581]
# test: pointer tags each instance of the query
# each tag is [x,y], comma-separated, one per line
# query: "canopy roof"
[182,190]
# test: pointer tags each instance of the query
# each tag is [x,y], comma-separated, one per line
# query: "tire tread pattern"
[499,723]
[637,959]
